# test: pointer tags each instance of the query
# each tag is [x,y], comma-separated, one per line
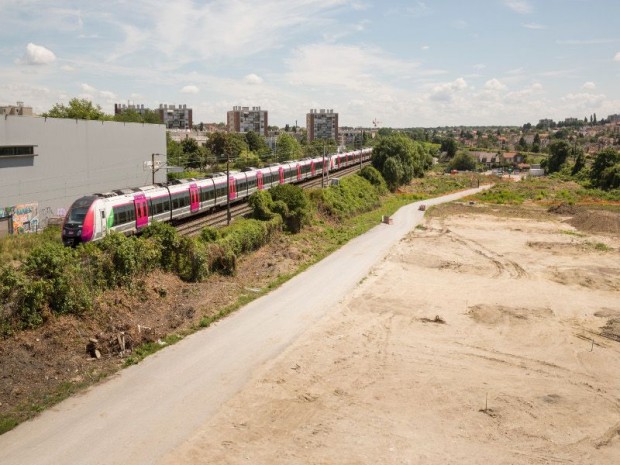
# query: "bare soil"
[483,337]
[490,333]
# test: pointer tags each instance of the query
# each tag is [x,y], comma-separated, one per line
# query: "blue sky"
[403,63]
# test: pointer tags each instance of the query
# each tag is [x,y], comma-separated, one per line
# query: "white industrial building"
[47,163]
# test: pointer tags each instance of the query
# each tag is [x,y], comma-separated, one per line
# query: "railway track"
[219,217]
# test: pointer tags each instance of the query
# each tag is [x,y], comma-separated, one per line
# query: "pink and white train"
[128,211]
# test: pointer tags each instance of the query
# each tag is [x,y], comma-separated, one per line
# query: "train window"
[180,200]
[207,194]
[124,214]
[160,205]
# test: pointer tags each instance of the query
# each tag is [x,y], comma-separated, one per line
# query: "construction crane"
[375,122]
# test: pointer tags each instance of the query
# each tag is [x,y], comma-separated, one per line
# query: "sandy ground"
[478,339]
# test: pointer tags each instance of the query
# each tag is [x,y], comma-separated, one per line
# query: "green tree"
[222,144]
[580,162]
[559,152]
[449,146]
[462,162]
[399,159]
[174,152]
[77,109]
[132,116]
[605,160]
[256,143]
[287,148]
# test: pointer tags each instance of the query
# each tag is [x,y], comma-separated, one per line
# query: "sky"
[395,63]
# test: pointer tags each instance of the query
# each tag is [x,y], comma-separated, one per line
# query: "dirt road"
[147,411]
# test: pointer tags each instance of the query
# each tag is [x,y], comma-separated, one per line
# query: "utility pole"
[227,189]
[323,168]
[361,146]
[153,169]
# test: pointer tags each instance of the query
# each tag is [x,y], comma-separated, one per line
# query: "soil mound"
[598,221]
[563,209]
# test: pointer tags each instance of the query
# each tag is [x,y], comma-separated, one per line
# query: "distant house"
[512,158]
[489,159]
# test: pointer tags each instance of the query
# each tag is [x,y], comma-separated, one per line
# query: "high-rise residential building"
[175,117]
[322,124]
[246,119]
[122,107]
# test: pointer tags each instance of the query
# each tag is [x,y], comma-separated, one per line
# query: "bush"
[373,176]
[62,285]
[294,198]
[209,234]
[353,195]
[168,240]
[193,260]
[262,205]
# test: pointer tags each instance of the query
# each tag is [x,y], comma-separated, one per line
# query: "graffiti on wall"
[25,216]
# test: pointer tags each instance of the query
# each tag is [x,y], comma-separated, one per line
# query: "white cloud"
[584,100]
[520,6]
[589,85]
[67,68]
[38,55]
[494,84]
[584,41]
[617,57]
[190,89]
[419,10]
[425,47]
[253,79]
[534,26]
[88,88]
[444,92]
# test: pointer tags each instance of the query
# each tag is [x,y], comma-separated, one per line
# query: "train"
[128,211]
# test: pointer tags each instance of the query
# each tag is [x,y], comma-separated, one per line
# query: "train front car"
[79,225]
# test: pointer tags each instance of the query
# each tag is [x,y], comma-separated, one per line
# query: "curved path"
[145,411]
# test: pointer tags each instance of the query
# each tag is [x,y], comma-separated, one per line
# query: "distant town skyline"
[401,63]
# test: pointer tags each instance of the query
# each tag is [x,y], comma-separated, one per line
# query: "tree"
[77,109]
[194,154]
[287,148]
[559,152]
[449,146]
[605,160]
[132,116]
[399,159]
[463,162]
[580,162]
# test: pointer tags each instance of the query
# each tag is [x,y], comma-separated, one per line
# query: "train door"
[281,172]
[194,200]
[103,224]
[312,168]
[298,172]
[259,180]
[142,211]
[232,188]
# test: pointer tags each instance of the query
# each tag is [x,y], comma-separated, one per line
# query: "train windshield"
[79,209]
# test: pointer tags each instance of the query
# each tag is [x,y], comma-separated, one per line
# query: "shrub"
[353,195]
[62,284]
[193,260]
[373,176]
[297,211]
[168,240]
[262,205]
[209,234]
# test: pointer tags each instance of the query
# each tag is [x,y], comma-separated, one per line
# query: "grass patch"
[141,352]
[64,390]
